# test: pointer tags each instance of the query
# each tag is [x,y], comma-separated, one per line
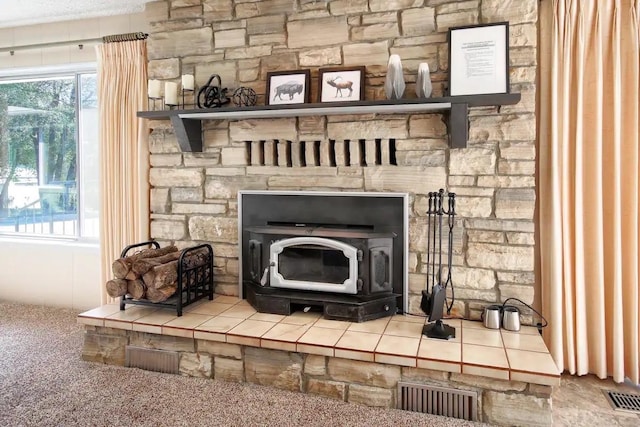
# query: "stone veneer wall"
[193,195]
[499,402]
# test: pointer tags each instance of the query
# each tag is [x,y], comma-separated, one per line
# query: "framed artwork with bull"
[288,87]
[341,84]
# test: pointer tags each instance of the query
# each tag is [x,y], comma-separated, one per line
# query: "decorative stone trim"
[331,153]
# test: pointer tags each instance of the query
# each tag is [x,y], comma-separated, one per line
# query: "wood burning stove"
[306,249]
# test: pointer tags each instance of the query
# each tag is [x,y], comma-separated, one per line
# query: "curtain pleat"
[124,173]
[588,185]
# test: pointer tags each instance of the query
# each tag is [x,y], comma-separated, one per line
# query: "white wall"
[59,32]
[54,272]
[49,272]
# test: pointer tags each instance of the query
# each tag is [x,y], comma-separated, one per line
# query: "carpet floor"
[44,382]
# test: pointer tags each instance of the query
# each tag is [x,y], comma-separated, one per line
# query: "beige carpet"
[43,382]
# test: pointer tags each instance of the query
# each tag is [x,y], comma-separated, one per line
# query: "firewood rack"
[194,283]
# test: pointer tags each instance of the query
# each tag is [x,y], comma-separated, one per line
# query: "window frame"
[76,71]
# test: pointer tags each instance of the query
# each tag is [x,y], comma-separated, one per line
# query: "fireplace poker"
[433,241]
[451,212]
[440,211]
[429,211]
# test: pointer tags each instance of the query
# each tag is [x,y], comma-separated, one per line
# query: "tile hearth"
[396,340]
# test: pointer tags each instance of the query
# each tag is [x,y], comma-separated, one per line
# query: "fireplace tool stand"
[435,295]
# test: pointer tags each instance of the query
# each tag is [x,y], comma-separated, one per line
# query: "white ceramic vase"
[423,82]
[394,85]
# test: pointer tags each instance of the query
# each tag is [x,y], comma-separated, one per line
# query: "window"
[49,155]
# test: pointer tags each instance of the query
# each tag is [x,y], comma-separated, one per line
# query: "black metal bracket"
[189,133]
[458,125]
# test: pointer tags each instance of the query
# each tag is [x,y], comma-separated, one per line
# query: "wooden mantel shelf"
[188,123]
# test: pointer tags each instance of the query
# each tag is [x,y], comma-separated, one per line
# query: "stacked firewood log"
[151,274]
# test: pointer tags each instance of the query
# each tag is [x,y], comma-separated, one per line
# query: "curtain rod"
[81,42]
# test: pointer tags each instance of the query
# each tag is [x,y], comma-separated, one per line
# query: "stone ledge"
[396,340]
[499,402]
[227,339]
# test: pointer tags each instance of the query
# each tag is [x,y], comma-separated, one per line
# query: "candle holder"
[185,93]
[171,106]
[152,102]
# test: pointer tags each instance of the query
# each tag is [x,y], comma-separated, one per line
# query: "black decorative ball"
[244,97]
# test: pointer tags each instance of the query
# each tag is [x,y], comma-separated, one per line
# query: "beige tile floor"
[395,340]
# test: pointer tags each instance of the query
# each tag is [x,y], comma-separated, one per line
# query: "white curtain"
[588,184]
[124,152]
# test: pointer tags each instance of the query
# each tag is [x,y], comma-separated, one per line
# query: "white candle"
[171,93]
[188,82]
[154,89]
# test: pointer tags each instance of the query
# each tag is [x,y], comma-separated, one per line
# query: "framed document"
[479,59]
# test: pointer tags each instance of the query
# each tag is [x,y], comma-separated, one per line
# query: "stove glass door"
[314,263]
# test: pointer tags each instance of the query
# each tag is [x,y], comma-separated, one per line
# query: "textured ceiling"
[15,13]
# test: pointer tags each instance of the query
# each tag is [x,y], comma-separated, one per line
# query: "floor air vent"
[434,400]
[152,360]
[623,401]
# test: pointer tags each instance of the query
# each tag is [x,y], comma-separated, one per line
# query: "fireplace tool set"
[434,296]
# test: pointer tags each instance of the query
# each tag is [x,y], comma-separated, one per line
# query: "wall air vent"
[623,401]
[152,360]
[434,400]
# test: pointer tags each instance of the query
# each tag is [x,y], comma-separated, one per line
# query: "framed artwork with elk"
[341,84]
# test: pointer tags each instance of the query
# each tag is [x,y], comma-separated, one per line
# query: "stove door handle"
[265,275]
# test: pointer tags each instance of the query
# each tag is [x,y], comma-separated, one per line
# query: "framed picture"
[479,59]
[341,84]
[288,87]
